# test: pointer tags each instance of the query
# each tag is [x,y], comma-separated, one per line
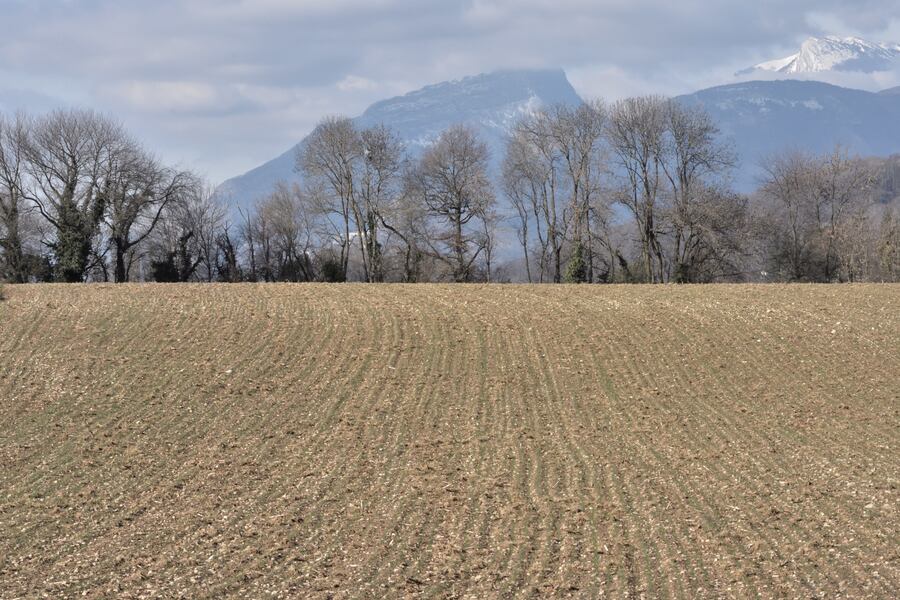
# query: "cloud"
[227,84]
[872,82]
[352,83]
[168,96]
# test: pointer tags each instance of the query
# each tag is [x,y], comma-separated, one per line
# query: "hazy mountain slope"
[489,103]
[761,118]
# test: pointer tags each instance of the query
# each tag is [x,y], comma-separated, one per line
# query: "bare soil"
[352,441]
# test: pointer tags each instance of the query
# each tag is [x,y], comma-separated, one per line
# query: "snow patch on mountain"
[777,65]
[818,55]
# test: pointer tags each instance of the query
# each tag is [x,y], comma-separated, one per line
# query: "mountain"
[489,103]
[764,117]
[759,118]
[819,55]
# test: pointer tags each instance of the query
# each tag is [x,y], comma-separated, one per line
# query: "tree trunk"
[12,248]
[460,275]
[121,272]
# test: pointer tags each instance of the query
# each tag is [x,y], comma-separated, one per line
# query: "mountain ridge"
[758,117]
[766,117]
[489,102]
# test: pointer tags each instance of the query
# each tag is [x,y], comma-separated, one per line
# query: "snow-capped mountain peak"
[830,53]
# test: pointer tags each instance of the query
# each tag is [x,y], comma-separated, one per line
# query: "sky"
[222,86]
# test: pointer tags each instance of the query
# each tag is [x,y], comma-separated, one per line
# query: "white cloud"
[229,83]
[179,96]
[354,83]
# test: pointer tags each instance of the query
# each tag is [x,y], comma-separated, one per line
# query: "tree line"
[639,190]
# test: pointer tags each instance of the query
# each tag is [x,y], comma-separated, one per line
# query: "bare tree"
[789,186]
[489,218]
[380,188]
[844,192]
[355,176]
[696,164]
[227,261]
[888,247]
[577,134]
[552,174]
[257,237]
[185,244]
[524,185]
[407,219]
[288,233]
[637,136]
[533,180]
[137,192]
[713,231]
[818,205]
[69,154]
[329,159]
[452,182]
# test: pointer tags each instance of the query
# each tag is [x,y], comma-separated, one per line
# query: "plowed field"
[352,441]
